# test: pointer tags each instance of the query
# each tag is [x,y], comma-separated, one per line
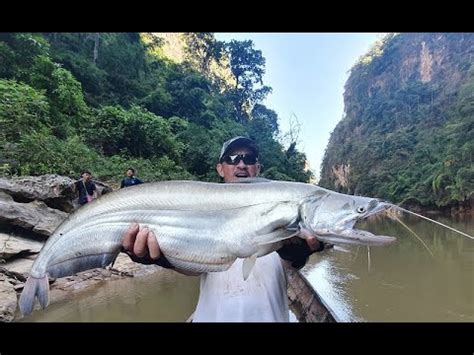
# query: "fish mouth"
[348,235]
[355,237]
[362,237]
[345,233]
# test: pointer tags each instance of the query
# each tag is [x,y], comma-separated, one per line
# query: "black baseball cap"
[236,142]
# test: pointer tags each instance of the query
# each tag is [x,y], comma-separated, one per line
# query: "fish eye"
[360,209]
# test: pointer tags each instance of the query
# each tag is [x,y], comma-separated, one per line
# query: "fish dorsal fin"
[248,265]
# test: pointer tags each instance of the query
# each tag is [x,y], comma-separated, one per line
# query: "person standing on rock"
[130,179]
[86,188]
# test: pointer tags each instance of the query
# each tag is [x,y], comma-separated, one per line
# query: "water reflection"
[330,283]
[402,282]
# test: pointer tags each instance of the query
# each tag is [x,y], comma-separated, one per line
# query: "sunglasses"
[248,159]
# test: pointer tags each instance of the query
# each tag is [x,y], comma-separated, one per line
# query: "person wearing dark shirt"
[130,179]
[86,188]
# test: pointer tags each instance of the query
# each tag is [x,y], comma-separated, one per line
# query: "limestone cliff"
[407,132]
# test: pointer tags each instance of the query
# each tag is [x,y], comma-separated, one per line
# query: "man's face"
[86,176]
[129,173]
[231,173]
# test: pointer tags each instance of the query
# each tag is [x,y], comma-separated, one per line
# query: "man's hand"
[141,245]
[296,251]
[313,243]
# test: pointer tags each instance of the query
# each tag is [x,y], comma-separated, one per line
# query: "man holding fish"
[227,296]
[205,228]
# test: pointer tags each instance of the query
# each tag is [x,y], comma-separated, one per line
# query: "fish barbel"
[201,227]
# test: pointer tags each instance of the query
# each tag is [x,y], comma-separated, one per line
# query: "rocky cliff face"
[408,125]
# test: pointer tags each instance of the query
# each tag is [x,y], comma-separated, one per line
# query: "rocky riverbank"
[30,210]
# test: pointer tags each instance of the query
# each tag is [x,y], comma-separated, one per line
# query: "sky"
[307,72]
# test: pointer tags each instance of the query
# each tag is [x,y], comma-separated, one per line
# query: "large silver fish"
[201,227]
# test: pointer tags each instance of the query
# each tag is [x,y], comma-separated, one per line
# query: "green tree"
[201,48]
[408,131]
[248,67]
[106,101]
[23,110]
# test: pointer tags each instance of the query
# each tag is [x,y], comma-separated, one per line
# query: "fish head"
[331,218]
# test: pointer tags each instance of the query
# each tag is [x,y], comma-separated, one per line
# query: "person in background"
[226,296]
[130,179]
[86,188]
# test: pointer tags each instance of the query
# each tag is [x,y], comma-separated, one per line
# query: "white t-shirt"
[227,297]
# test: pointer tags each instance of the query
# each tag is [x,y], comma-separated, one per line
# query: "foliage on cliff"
[407,134]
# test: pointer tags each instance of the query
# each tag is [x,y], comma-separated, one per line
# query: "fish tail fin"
[43,291]
[34,287]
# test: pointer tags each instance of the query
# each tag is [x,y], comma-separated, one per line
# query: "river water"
[402,282]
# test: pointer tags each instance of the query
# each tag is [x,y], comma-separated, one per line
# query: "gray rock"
[8,301]
[21,266]
[13,246]
[56,191]
[35,216]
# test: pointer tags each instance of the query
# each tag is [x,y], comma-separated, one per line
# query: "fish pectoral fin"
[248,265]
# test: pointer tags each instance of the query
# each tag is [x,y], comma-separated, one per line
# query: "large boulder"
[54,190]
[12,246]
[20,266]
[34,216]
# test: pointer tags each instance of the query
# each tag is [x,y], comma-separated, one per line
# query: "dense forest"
[408,130]
[161,103]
